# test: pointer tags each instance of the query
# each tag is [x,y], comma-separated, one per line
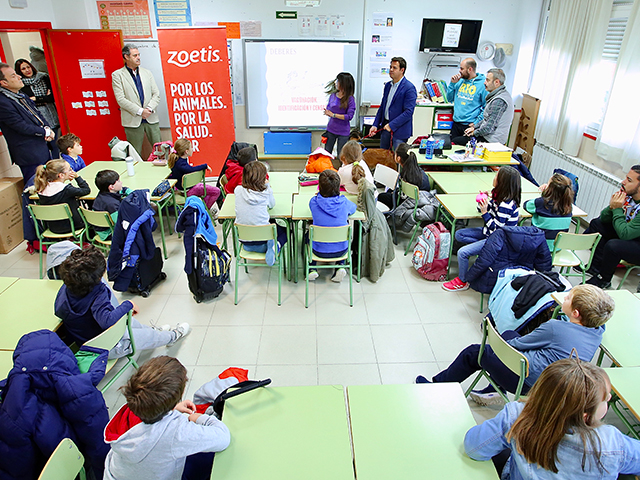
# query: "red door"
[81,63]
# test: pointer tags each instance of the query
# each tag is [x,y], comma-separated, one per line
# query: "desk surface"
[6,282]
[447,162]
[282,208]
[622,331]
[301,210]
[6,363]
[473,182]
[15,320]
[412,431]
[284,182]
[624,382]
[286,433]
[463,205]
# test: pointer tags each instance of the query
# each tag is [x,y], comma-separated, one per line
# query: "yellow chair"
[99,220]
[411,191]
[513,359]
[564,247]
[245,258]
[324,235]
[109,339]
[51,213]
[65,463]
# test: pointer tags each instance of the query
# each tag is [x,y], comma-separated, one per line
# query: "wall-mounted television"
[456,36]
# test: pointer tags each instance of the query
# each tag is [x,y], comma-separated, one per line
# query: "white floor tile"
[391,282]
[346,375]
[251,312]
[403,373]
[334,309]
[230,345]
[345,344]
[291,312]
[391,309]
[288,345]
[183,308]
[440,307]
[401,343]
[447,340]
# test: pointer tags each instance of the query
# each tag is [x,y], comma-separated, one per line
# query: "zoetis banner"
[196,77]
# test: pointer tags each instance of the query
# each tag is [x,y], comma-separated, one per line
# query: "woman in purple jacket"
[341,108]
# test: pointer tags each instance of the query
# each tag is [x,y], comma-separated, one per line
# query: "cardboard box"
[287,143]
[10,213]
[444,125]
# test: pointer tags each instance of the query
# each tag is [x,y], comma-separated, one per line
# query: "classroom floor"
[399,327]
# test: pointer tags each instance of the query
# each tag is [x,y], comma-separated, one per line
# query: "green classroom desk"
[284,182]
[287,433]
[6,282]
[622,331]
[447,162]
[302,212]
[463,206]
[412,432]
[473,182]
[625,386]
[282,209]
[6,363]
[15,320]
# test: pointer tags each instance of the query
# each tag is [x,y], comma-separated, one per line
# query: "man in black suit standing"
[28,136]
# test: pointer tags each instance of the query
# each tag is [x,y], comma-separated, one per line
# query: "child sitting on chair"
[87,307]
[111,192]
[235,169]
[353,167]
[330,209]
[586,309]
[70,150]
[154,433]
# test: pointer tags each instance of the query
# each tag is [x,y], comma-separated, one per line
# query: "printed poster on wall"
[196,77]
[132,17]
[173,13]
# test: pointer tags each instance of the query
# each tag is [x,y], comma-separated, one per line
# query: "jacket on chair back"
[509,247]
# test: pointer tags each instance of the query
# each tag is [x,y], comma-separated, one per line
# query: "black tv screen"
[457,36]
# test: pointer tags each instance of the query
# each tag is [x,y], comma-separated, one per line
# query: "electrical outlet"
[507,47]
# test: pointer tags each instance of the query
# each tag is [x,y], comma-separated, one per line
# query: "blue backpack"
[574,181]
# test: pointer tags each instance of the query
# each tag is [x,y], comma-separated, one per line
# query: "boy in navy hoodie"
[87,307]
[330,209]
[111,192]
[70,150]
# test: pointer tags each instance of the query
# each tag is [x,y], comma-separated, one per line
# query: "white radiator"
[595,185]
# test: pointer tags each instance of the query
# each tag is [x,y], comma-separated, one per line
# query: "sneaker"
[339,275]
[181,330]
[313,274]
[591,271]
[599,282]
[215,211]
[421,379]
[487,399]
[455,285]
[160,328]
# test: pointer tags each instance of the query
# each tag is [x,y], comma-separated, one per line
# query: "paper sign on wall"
[92,69]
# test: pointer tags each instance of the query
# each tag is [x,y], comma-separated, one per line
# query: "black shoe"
[592,271]
[421,379]
[599,282]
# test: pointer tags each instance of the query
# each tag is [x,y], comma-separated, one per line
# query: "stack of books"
[496,152]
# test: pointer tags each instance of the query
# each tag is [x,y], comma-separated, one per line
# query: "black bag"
[148,274]
[162,188]
[210,270]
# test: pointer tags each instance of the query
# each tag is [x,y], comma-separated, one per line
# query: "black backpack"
[210,270]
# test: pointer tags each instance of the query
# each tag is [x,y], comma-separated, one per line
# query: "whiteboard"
[150,59]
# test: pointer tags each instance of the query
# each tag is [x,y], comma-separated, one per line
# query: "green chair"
[65,463]
[164,203]
[109,339]
[628,267]
[189,181]
[411,191]
[509,356]
[324,235]
[244,258]
[564,247]
[95,219]
[50,213]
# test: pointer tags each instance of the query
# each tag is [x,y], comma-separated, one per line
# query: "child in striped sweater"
[501,210]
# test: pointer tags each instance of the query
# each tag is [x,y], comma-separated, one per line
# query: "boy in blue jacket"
[70,150]
[87,307]
[330,209]
[586,309]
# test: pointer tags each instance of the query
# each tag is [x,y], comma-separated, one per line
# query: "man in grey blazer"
[137,94]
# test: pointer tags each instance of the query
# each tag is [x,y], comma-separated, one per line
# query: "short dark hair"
[66,142]
[329,183]
[402,63]
[246,155]
[3,65]
[126,50]
[635,168]
[106,178]
[470,63]
[82,270]
[156,388]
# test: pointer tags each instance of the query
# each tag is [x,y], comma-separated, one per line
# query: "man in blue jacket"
[468,95]
[395,115]
[28,135]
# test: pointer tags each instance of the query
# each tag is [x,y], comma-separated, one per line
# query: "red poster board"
[195,64]
[82,62]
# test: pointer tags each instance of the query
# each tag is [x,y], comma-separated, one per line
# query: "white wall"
[37,11]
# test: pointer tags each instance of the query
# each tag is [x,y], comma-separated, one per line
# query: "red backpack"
[431,253]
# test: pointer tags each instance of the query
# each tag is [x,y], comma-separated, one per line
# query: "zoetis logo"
[183,58]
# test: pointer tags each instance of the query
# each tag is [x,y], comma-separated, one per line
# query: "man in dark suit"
[28,136]
[395,115]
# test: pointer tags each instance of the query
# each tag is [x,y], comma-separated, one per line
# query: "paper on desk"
[459,157]
[496,147]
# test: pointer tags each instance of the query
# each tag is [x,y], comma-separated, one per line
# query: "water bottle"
[129,161]
[431,145]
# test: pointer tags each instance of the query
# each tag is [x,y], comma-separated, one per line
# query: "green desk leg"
[359,276]
[227,225]
[294,249]
[613,403]
[160,205]
[452,221]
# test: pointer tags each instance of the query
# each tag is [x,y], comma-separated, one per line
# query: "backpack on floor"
[431,254]
[210,270]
